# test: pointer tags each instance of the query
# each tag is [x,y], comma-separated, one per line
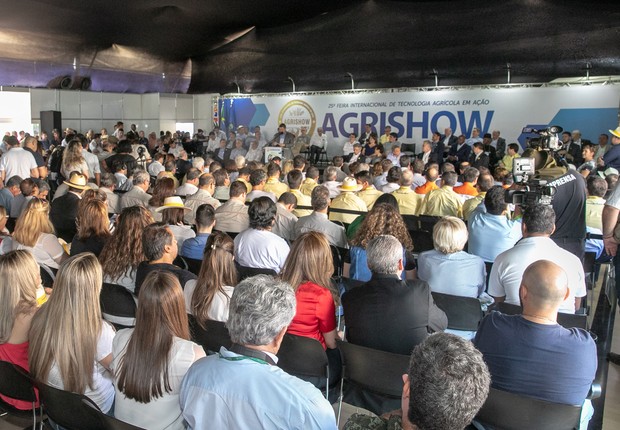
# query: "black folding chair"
[118,306]
[506,411]
[374,378]
[16,384]
[247,272]
[48,275]
[565,320]
[212,337]
[193,265]
[75,411]
[305,358]
[464,313]
[338,259]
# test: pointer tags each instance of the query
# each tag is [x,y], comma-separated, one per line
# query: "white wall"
[150,112]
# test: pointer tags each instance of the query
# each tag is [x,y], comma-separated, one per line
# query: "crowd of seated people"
[184,237]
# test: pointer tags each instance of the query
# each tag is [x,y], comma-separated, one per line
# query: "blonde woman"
[70,345]
[19,280]
[447,268]
[35,232]
[73,160]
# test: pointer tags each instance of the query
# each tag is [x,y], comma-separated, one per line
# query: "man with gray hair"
[242,387]
[387,313]
[318,221]
[137,196]
[108,184]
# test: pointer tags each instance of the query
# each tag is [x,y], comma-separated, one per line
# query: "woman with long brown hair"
[164,188]
[123,252]
[19,283]
[93,228]
[207,298]
[34,232]
[70,344]
[383,219]
[151,359]
[308,269]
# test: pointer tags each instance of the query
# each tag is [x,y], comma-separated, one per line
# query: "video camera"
[533,191]
[549,138]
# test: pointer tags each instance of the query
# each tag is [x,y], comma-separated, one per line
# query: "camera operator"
[568,201]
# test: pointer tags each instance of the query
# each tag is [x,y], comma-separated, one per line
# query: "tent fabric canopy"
[382,43]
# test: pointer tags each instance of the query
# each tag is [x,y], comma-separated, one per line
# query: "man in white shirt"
[92,161]
[317,144]
[475,137]
[156,166]
[191,183]
[538,224]
[17,161]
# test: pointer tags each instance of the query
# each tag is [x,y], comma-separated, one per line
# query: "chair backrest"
[464,313]
[377,371]
[212,337]
[427,222]
[108,422]
[422,240]
[15,383]
[338,260]
[506,411]
[565,320]
[68,409]
[47,276]
[246,272]
[118,306]
[193,265]
[302,356]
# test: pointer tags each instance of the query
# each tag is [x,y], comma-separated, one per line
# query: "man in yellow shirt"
[273,184]
[311,181]
[294,178]
[369,194]
[347,200]
[512,153]
[409,202]
[444,201]
[385,137]
[485,182]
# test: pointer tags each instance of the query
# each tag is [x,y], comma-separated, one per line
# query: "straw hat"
[349,184]
[77,180]
[172,202]
[615,132]
[607,172]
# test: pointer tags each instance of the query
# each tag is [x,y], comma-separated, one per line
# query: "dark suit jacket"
[452,141]
[391,315]
[482,161]
[223,159]
[437,152]
[501,148]
[289,139]
[63,213]
[462,154]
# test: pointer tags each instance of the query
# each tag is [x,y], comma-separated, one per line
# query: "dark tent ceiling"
[382,43]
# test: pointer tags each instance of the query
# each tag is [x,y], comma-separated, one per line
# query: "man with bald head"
[531,354]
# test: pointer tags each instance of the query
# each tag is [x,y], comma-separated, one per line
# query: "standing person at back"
[17,161]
